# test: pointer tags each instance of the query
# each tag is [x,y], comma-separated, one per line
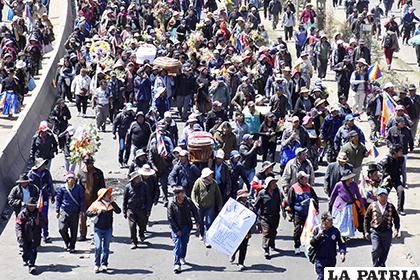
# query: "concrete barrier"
[15,153]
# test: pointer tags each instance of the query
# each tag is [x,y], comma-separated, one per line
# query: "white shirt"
[102,96]
[80,82]
[382,207]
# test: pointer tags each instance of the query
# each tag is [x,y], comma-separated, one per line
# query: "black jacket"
[15,198]
[43,147]
[333,175]
[139,134]
[181,212]
[392,167]
[122,123]
[267,206]
[137,197]
[105,218]
[239,171]
[60,117]
[401,136]
[248,156]
[27,231]
[371,101]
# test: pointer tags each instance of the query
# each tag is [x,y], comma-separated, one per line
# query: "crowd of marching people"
[24,39]
[241,98]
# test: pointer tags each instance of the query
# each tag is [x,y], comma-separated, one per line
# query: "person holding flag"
[298,198]
[161,160]
[325,239]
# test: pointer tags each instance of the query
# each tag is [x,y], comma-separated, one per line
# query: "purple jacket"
[342,196]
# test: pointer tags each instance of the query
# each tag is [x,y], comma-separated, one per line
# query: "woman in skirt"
[344,195]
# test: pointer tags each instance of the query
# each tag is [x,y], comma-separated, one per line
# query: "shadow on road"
[55,268]
[196,267]
[128,271]
[264,268]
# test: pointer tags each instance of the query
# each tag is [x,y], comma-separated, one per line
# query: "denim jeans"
[250,174]
[69,166]
[45,214]
[207,218]
[124,150]
[102,239]
[180,244]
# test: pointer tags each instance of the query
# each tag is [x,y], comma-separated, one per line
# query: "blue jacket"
[328,243]
[44,182]
[331,125]
[66,203]
[301,38]
[342,136]
[184,175]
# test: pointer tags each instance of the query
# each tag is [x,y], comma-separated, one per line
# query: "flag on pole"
[374,152]
[40,203]
[310,224]
[362,188]
[388,107]
[160,144]
[374,72]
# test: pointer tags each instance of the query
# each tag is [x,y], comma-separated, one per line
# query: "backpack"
[388,42]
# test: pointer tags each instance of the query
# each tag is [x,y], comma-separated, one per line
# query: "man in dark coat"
[43,145]
[137,204]
[21,193]
[29,223]
[184,173]
[335,171]
[138,134]
[122,123]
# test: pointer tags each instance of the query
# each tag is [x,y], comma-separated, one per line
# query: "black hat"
[372,167]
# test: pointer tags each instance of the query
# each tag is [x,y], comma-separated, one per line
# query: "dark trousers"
[243,247]
[288,33]
[298,50]
[322,68]
[418,54]
[30,251]
[124,150]
[320,264]
[143,106]
[163,180]
[401,196]
[66,222]
[297,232]
[66,92]
[381,242]
[81,103]
[343,89]
[136,218]
[269,151]
[269,232]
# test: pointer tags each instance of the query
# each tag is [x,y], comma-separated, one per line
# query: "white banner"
[230,227]
[371,273]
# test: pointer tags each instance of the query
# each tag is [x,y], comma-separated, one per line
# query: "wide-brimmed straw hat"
[103,191]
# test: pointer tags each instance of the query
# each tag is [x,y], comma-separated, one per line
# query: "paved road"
[154,259]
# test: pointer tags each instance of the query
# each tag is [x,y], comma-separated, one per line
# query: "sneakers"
[241,267]
[72,251]
[297,251]
[96,269]
[133,246]
[47,239]
[122,165]
[79,114]
[402,213]
[104,268]
[177,268]
[32,270]
[208,246]
[182,261]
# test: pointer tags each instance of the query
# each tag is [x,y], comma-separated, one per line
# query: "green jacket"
[206,196]
[355,155]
